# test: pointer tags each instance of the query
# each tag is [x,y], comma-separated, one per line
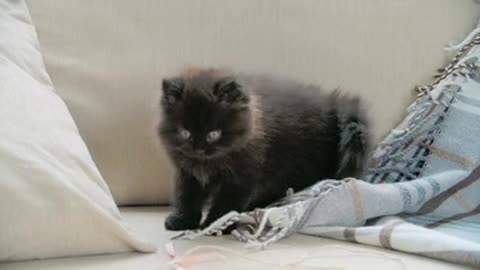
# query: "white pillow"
[53,200]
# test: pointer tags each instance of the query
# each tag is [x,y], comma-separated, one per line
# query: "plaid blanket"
[422,193]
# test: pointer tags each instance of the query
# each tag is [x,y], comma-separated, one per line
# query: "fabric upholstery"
[323,253]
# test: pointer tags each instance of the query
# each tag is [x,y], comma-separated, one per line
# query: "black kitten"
[244,140]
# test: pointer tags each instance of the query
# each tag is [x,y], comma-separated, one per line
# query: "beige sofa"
[107,58]
[330,254]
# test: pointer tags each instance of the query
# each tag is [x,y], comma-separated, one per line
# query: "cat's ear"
[228,90]
[172,90]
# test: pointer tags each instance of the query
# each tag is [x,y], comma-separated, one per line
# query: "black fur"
[275,134]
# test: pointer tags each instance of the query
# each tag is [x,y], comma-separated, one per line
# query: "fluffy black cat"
[243,140]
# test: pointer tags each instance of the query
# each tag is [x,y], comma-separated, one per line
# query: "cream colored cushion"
[107,59]
[325,254]
[53,200]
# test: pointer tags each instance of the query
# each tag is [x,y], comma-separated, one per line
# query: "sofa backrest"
[107,59]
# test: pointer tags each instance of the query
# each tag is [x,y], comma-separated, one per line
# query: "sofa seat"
[326,253]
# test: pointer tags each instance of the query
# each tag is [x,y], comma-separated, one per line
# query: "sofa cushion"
[107,59]
[322,253]
[53,200]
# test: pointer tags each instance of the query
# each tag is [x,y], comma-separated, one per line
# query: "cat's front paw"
[180,222]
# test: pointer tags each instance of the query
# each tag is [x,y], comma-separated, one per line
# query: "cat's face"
[204,117]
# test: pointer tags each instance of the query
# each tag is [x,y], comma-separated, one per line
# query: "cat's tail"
[354,138]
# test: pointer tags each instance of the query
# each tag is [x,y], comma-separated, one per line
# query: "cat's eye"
[184,134]
[214,136]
